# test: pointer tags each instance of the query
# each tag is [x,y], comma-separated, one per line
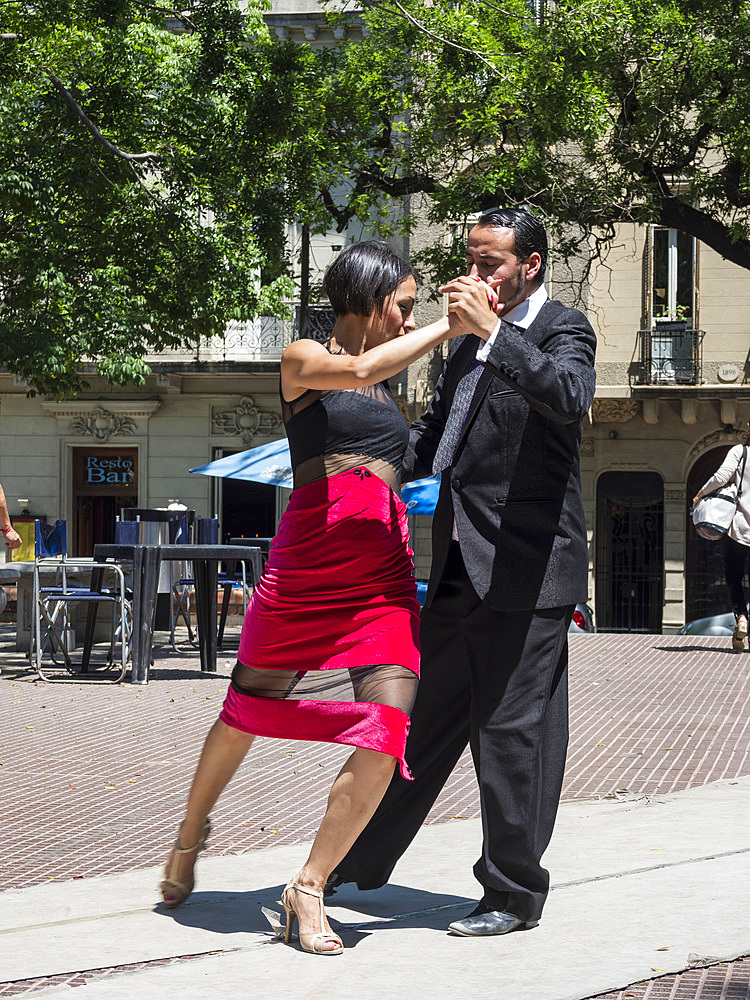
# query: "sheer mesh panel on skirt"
[329,648]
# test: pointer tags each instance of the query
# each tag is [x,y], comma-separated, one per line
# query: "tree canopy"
[150,157]
[145,178]
[592,112]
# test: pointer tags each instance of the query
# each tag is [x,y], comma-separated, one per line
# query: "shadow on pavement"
[695,649]
[242,912]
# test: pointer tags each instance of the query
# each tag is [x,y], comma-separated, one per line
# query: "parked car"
[713,625]
[583,619]
[583,616]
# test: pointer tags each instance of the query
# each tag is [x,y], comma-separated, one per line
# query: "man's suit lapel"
[542,320]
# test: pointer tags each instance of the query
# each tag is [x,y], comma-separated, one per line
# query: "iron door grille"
[630,552]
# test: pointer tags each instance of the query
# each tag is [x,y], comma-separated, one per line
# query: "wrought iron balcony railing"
[670,355]
[264,339]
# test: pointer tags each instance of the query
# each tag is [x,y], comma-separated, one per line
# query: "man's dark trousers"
[499,681]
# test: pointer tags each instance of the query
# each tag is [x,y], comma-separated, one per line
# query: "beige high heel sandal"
[179,891]
[308,942]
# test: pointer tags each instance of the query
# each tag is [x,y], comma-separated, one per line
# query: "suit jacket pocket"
[526,515]
[501,501]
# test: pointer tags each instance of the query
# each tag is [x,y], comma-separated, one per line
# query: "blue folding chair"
[52,605]
[127,532]
[179,534]
[234,576]
[246,576]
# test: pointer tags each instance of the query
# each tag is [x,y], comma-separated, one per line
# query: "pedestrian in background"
[736,541]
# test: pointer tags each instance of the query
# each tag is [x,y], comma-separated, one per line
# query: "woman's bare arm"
[306,364]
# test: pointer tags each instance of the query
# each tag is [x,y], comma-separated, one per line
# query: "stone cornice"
[133,408]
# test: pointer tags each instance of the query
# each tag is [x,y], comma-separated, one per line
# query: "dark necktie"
[456,417]
[459,410]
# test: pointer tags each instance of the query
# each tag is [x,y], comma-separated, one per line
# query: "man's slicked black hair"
[362,277]
[528,232]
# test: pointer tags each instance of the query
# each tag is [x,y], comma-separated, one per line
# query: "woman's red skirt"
[337,594]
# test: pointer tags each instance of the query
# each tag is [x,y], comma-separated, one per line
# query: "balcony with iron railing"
[261,340]
[670,354]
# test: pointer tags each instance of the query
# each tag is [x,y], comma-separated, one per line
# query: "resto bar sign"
[111,469]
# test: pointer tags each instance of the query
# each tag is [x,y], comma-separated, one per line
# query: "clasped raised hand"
[472,305]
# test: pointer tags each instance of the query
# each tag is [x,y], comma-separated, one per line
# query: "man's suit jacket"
[514,487]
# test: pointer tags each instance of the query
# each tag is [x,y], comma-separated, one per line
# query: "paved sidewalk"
[616,913]
[96,778]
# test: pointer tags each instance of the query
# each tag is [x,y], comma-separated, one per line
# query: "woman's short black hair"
[529,235]
[362,277]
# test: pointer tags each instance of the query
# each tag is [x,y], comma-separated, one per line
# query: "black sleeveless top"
[363,422]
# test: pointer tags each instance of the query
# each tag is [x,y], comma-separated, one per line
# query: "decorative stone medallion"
[728,372]
[101,425]
[245,421]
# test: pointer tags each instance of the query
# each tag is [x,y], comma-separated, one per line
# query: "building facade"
[673,395]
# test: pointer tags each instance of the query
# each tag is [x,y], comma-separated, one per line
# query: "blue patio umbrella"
[271,463]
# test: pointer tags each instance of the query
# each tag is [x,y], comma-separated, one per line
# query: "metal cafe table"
[147,561]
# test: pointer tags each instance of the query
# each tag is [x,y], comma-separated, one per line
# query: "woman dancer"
[329,646]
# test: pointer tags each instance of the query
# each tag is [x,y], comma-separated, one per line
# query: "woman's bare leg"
[223,752]
[354,797]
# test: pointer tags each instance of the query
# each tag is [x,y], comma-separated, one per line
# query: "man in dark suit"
[510,562]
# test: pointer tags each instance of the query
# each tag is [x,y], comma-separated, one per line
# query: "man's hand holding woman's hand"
[472,306]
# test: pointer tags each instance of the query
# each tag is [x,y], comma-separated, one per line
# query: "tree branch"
[691,150]
[507,13]
[129,158]
[431,34]
[373,177]
[341,215]
[733,176]
[677,214]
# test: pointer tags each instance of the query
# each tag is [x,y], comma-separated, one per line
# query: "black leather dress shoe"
[483,922]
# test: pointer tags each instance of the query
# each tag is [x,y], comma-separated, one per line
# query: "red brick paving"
[79,764]
[656,713]
[86,978]
[728,981]
[718,982]
[100,774]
